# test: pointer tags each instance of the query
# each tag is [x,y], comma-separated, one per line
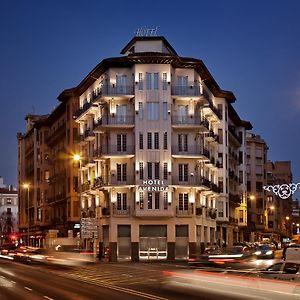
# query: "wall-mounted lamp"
[169,82]
[137,171]
[136,112]
[169,111]
[192,174]
[169,172]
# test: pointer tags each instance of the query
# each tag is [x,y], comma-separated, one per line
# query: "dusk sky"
[252,48]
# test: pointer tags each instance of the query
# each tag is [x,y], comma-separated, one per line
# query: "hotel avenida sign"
[154,185]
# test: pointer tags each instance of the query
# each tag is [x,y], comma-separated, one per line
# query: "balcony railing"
[113,180]
[88,134]
[231,129]
[121,211]
[184,211]
[115,120]
[190,150]
[116,90]
[211,136]
[188,120]
[216,111]
[114,150]
[186,90]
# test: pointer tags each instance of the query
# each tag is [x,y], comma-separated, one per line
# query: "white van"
[291,253]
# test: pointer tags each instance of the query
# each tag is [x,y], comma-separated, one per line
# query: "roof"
[148,58]
[7,191]
[148,38]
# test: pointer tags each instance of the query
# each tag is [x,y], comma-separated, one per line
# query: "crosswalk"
[112,274]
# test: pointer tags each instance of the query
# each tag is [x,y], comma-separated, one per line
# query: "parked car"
[265,251]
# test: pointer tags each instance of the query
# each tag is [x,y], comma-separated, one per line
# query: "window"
[182,114]
[259,186]
[121,172]
[8,201]
[140,86]
[164,82]
[165,200]
[121,82]
[259,170]
[276,267]
[156,140]
[156,170]
[183,201]
[182,84]
[8,210]
[141,111]
[141,200]
[149,166]
[121,142]
[156,199]
[165,171]
[150,200]
[183,172]
[241,216]
[165,110]
[141,141]
[258,153]
[259,203]
[149,140]
[141,168]
[182,142]
[151,81]
[121,111]
[121,201]
[165,140]
[152,111]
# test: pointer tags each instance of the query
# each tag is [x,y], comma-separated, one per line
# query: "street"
[99,281]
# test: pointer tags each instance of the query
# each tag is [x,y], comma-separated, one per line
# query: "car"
[284,270]
[7,250]
[265,251]
[221,257]
[291,252]
[22,253]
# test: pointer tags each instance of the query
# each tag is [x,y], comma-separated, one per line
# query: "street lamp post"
[26,186]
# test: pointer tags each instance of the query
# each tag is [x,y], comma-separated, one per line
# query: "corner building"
[155,134]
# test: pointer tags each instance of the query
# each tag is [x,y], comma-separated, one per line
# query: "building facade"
[162,150]
[8,213]
[48,177]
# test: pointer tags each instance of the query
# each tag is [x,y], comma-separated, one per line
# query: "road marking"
[12,281]
[46,297]
[27,288]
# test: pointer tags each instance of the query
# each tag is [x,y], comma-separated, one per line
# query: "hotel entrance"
[153,242]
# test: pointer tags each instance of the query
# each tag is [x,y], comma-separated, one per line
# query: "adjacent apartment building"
[163,154]
[48,176]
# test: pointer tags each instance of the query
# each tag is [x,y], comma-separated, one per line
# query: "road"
[98,281]
[101,281]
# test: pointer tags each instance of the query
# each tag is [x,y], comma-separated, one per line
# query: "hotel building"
[162,149]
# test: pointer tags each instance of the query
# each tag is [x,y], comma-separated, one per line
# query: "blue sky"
[251,48]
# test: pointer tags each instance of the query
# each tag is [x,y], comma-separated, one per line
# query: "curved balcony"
[114,151]
[114,121]
[190,151]
[212,112]
[185,121]
[186,92]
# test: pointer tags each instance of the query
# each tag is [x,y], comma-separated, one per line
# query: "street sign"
[89,228]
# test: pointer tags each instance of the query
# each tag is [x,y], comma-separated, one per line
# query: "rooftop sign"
[144,31]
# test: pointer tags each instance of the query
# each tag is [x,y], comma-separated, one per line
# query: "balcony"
[123,121]
[236,138]
[184,92]
[87,136]
[120,211]
[112,180]
[185,121]
[109,151]
[184,211]
[86,186]
[235,200]
[191,181]
[154,213]
[190,151]
[212,112]
[211,137]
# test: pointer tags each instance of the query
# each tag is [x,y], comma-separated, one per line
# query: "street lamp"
[77,158]
[27,186]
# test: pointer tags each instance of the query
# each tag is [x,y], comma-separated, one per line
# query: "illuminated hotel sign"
[154,185]
[143,31]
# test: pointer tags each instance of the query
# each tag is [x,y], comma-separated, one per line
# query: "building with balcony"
[8,213]
[48,177]
[162,152]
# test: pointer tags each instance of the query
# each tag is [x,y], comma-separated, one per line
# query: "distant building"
[8,213]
